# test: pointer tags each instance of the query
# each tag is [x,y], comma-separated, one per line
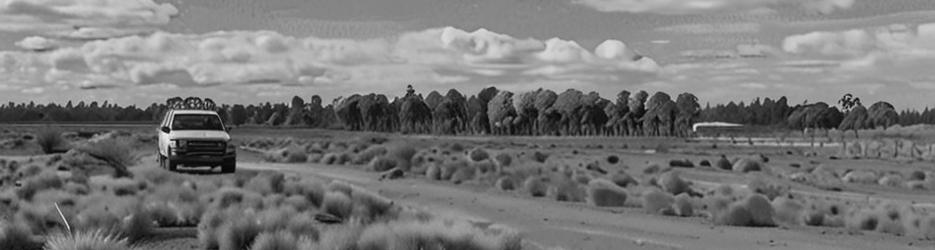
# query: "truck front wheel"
[229,166]
[167,163]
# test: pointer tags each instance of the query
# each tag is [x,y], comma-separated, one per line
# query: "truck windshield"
[196,122]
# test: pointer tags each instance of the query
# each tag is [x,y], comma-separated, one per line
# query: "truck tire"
[167,163]
[229,166]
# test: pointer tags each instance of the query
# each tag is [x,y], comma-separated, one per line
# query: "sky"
[248,51]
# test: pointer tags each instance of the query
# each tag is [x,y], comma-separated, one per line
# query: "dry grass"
[87,240]
[15,236]
[118,152]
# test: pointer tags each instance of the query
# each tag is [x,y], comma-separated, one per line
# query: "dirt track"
[578,226]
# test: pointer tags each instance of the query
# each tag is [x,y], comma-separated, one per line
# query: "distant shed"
[716,128]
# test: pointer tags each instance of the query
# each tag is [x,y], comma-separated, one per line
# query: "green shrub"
[505,184]
[16,236]
[280,240]
[604,193]
[433,172]
[338,204]
[137,226]
[504,159]
[683,205]
[266,183]
[788,211]
[535,187]
[87,240]
[312,190]
[49,140]
[43,181]
[463,174]
[673,183]
[747,165]
[369,154]
[118,152]
[381,164]
[655,201]
[565,189]
[238,233]
[478,154]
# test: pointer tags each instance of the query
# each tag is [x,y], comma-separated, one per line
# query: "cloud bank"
[84,19]
[435,56]
[708,6]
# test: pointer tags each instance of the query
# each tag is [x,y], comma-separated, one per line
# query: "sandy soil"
[578,226]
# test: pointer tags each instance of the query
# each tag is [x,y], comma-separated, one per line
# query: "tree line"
[499,112]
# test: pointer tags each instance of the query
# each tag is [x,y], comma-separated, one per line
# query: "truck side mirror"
[165,129]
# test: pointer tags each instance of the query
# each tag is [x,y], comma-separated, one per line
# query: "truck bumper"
[202,160]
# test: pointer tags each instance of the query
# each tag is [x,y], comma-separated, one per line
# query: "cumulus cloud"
[84,19]
[37,43]
[705,6]
[865,47]
[433,56]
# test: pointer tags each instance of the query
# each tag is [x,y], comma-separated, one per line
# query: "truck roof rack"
[191,103]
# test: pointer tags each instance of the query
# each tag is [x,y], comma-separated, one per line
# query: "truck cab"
[195,138]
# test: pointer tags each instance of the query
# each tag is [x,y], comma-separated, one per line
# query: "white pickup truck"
[194,138]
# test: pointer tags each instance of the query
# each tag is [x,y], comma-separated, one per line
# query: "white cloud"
[703,6]
[36,43]
[84,18]
[433,56]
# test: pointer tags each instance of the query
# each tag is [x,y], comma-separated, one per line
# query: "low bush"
[724,164]
[535,187]
[623,179]
[338,204]
[463,174]
[237,233]
[684,163]
[673,183]
[612,159]
[745,165]
[310,189]
[565,189]
[504,159]
[280,240]
[478,154]
[369,154]
[505,184]
[604,193]
[539,157]
[15,236]
[138,225]
[118,152]
[861,177]
[49,140]
[788,211]
[683,205]
[33,184]
[891,180]
[735,215]
[402,153]
[433,172]
[704,163]
[760,184]
[656,201]
[761,210]
[381,164]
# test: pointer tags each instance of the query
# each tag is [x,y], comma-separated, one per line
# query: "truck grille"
[205,148]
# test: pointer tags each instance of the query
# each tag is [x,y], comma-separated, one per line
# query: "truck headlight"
[179,143]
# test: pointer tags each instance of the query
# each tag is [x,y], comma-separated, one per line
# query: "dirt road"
[578,226]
